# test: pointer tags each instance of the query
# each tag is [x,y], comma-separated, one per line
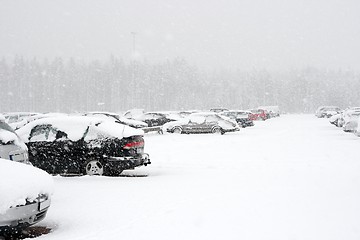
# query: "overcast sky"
[245,34]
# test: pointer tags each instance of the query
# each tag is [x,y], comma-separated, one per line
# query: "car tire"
[94,167]
[177,130]
[217,130]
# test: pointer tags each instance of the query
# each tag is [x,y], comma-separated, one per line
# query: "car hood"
[20,183]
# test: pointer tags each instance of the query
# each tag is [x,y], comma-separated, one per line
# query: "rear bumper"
[129,162]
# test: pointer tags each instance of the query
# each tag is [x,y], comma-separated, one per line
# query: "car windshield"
[6,127]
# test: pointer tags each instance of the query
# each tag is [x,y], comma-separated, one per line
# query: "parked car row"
[92,143]
[151,121]
[347,119]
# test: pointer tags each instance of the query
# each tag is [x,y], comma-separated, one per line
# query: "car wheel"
[177,130]
[94,167]
[217,130]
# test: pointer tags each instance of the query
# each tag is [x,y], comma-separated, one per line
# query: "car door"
[210,122]
[50,150]
[196,124]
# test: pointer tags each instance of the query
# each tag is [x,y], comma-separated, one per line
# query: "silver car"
[25,196]
[16,185]
[207,122]
[11,146]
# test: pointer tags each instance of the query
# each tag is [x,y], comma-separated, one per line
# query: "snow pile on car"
[76,126]
[118,130]
[20,182]
[7,136]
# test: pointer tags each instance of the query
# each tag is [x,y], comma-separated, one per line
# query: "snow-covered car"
[119,119]
[83,145]
[327,111]
[11,146]
[351,121]
[241,117]
[153,119]
[25,196]
[258,114]
[274,111]
[346,114]
[357,129]
[202,123]
[12,117]
[218,110]
[335,119]
[18,119]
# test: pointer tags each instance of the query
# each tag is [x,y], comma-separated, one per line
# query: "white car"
[327,111]
[351,121]
[25,196]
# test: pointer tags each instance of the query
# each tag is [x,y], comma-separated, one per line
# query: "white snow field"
[293,177]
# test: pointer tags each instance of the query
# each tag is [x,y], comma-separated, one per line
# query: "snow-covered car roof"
[20,182]
[134,113]
[115,116]
[76,126]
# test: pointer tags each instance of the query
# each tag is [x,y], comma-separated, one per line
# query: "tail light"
[134,144]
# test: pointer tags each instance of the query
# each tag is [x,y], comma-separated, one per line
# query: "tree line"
[72,85]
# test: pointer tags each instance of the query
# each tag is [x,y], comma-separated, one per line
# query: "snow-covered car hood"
[75,127]
[20,182]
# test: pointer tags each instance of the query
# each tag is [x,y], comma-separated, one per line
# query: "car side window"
[42,133]
[39,133]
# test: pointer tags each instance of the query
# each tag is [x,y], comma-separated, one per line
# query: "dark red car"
[258,114]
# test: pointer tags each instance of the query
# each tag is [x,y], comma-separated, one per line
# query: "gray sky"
[245,34]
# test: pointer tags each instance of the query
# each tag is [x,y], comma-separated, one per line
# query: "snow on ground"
[293,177]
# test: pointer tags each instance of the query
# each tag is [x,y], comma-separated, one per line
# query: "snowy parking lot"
[293,177]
